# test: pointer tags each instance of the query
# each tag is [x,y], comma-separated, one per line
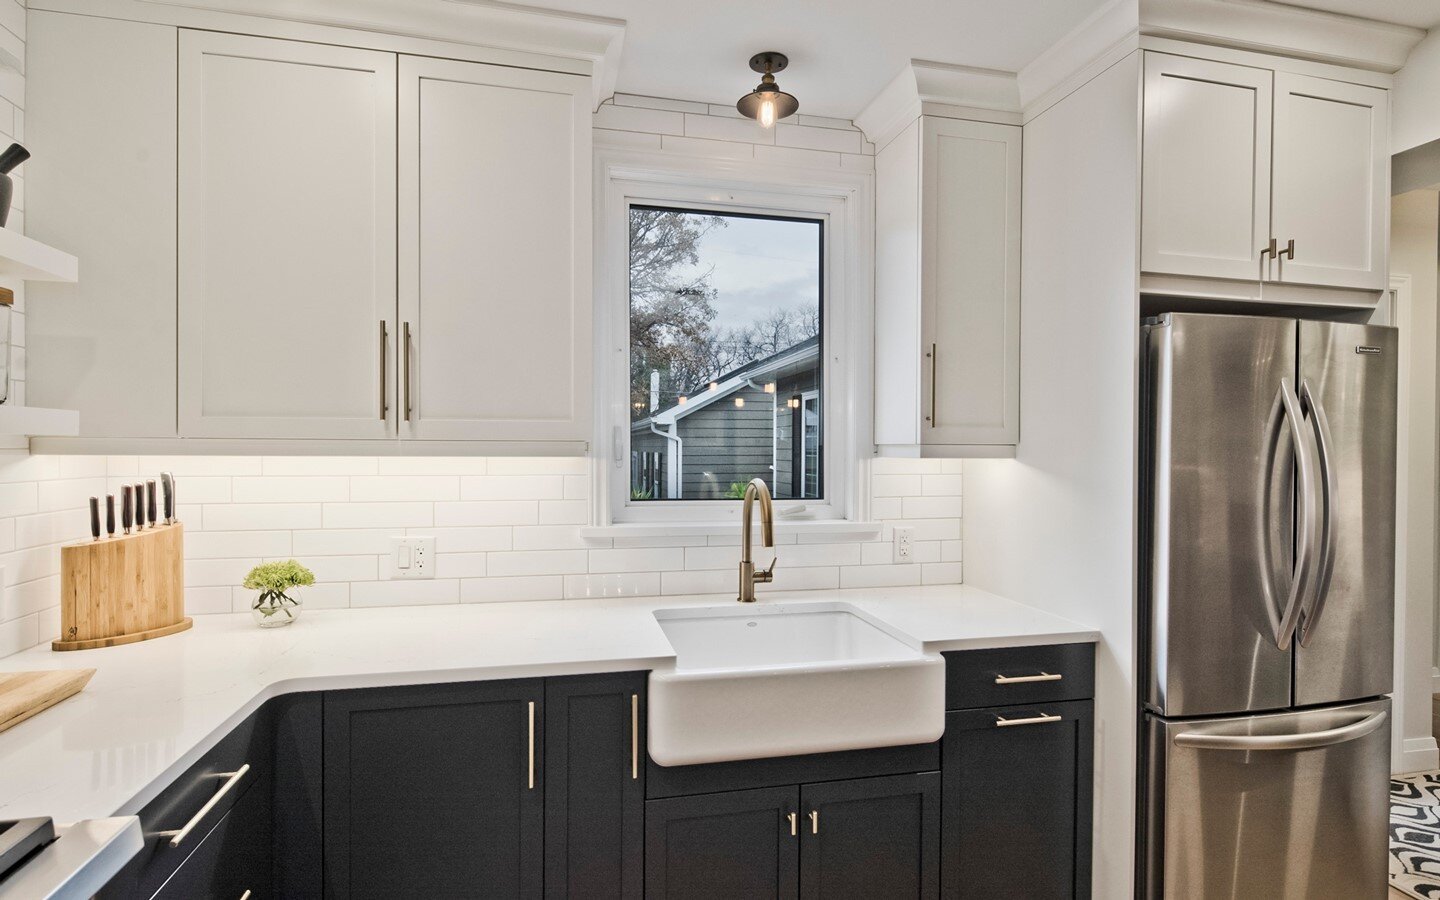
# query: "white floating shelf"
[28,259]
[29,421]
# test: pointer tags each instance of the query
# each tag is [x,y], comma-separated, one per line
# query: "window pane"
[725,355]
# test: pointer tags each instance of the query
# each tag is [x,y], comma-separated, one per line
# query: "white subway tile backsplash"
[637,118]
[507,589]
[787,135]
[794,156]
[289,489]
[689,106]
[716,128]
[626,140]
[702,147]
[505,529]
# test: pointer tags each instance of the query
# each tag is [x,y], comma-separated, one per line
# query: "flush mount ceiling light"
[767,103]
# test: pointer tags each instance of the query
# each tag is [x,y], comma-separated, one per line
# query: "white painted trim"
[1418,755]
[845,200]
[122,446]
[474,30]
[930,88]
[1284,30]
[1261,60]
[1435,680]
[1105,37]
[1398,298]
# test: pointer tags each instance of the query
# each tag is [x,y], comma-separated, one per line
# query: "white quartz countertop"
[153,708]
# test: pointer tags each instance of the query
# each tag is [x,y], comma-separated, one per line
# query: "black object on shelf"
[13,156]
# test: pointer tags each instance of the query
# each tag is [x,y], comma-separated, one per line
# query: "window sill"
[837,528]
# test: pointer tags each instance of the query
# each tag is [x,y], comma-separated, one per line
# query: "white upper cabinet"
[495,253]
[1332,170]
[948,288]
[1206,174]
[1240,161]
[286,237]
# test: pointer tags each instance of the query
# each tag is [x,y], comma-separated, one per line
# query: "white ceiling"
[842,52]
[1415,13]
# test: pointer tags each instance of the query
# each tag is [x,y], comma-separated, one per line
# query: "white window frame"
[844,201]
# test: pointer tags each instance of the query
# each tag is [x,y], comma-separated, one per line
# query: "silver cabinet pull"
[1042,719]
[1269,249]
[934,385]
[1288,251]
[384,352]
[531,784]
[814,821]
[231,779]
[405,362]
[1026,679]
[634,736]
[794,824]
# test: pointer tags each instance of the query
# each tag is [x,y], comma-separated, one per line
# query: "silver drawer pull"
[1026,679]
[231,779]
[1042,719]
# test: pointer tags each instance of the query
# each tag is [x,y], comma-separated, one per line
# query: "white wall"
[1414,233]
[1415,115]
[1055,527]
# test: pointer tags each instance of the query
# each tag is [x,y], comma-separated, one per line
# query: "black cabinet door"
[434,791]
[723,846]
[871,837]
[594,786]
[1017,802]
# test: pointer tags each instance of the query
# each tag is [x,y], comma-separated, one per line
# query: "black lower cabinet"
[595,787]
[723,846]
[434,791]
[233,860]
[1017,802]
[871,837]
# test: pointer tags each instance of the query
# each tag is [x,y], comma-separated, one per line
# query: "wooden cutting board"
[23,694]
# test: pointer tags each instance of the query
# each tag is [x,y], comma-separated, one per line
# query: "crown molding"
[939,89]
[1282,30]
[1105,36]
[594,40]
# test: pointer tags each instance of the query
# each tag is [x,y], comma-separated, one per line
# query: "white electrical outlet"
[412,557]
[904,543]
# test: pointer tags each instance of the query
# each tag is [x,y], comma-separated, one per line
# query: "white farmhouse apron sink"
[757,681]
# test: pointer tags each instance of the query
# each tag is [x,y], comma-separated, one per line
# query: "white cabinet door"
[1206,168]
[286,238]
[495,253]
[970,283]
[101,123]
[1332,181]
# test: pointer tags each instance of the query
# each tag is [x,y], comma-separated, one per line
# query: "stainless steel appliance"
[1268,582]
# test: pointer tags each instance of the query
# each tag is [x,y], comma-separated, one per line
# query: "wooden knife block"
[122,589]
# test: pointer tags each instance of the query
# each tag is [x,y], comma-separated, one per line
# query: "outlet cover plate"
[904,544]
[412,557]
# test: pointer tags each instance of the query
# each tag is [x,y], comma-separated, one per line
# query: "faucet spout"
[755,490]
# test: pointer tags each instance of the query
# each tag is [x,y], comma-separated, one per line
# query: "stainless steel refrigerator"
[1268,588]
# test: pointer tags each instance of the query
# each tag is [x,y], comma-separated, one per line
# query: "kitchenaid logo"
[1367,351]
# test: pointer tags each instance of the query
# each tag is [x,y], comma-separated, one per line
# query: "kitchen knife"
[127,506]
[167,481]
[109,515]
[150,502]
[95,518]
[139,507]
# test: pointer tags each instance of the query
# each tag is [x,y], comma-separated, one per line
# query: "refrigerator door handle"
[1307,741]
[1286,410]
[1310,615]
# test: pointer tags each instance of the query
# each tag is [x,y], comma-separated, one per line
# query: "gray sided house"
[739,430]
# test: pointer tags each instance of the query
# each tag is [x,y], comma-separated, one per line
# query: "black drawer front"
[1010,675]
[251,743]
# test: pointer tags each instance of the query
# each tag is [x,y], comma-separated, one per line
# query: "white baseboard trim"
[1419,755]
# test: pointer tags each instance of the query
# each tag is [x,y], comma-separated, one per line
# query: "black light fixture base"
[769,61]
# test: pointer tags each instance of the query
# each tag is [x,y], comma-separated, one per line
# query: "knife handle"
[95,518]
[139,507]
[127,506]
[110,515]
[150,502]
[167,480]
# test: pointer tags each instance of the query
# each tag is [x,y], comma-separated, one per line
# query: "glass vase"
[276,609]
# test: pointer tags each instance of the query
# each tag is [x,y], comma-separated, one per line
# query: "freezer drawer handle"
[1308,741]
[231,779]
[1026,679]
[1042,719]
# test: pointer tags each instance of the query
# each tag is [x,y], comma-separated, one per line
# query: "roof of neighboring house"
[732,381]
